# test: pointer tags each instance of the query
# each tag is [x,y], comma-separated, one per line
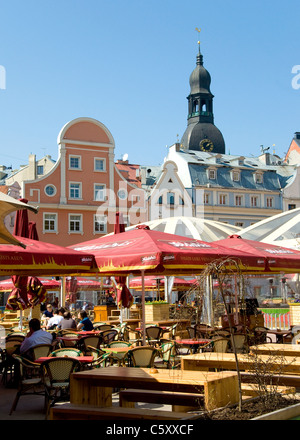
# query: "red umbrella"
[18,299]
[45,259]
[160,253]
[275,259]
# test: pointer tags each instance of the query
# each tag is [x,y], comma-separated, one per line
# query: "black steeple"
[201,133]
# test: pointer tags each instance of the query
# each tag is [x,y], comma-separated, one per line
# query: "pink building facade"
[79,197]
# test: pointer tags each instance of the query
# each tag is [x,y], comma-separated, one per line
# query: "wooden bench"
[181,402]
[292,380]
[254,390]
[69,411]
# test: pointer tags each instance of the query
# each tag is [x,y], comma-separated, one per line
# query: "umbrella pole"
[143,309]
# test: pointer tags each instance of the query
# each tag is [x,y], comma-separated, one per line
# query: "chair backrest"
[12,346]
[239,342]
[168,351]
[220,345]
[58,370]
[41,350]
[93,340]
[102,327]
[108,336]
[96,352]
[63,352]
[260,335]
[223,333]
[153,332]
[16,336]
[119,344]
[142,356]
[192,332]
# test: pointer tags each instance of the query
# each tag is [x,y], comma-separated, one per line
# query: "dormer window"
[236,176]
[212,174]
[258,177]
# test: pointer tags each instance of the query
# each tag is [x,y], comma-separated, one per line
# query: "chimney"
[31,167]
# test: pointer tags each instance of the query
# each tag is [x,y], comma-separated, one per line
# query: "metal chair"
[29,380]
[260,335]
[101,358]
[118,357]
[108,336]
[142,356]
[169,355]
[220,345]
[40,350]
[153,335]
[56,374]
[92,340]
[12,346]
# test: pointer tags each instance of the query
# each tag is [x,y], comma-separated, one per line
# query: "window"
[50,222]
[291,206]
[236,176]
[75,190]
[99,192]
[238,200]
[122,194]
[212,174]
[75,223]
[100,224]
[40,170]
[206,198]
[75,162]
[258,178]
[254,201]
[222,199]
[270,202]
[239,224]
[160,200]
[170,198]
[99,164]
[50,190]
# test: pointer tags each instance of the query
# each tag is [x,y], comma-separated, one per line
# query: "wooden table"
[276,349]
[226,361]
[94,387]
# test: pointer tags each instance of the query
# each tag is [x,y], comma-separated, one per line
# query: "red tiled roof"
[128,171]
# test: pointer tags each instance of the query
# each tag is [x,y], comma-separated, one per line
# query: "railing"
[277,320]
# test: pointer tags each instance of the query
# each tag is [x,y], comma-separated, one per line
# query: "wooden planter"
[156,312]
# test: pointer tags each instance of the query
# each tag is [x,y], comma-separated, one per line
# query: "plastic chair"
[63,352]
[142,356]
[29,380]
[56,374]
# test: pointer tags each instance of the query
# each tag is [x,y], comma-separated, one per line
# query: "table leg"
[221,392]
[83,392]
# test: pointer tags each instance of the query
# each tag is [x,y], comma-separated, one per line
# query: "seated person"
[35,336]
[85,323]
[56,320]
[67,322]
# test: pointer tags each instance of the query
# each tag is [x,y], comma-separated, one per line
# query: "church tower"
[201,134]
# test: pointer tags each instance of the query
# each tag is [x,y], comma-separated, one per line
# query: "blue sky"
[127,63]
